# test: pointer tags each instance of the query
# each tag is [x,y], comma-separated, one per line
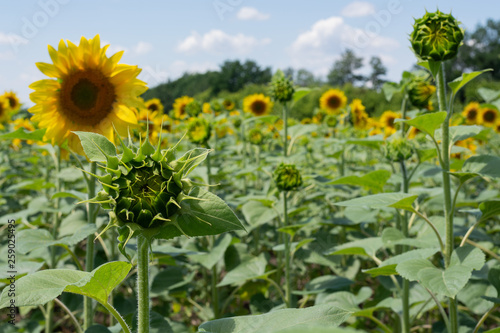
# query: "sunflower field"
[121,214]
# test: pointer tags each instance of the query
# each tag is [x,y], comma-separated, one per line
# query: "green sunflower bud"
[281,89]
[287,177]
[436,36]
[331,120]
[228,104]
[420,92]
[255,136]
[399,149]
[193,108]
[198,130]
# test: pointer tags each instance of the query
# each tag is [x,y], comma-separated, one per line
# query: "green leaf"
[21,134]
[96,146]
[432,66]
[43,286]
[209,259]
[388,267]
[247,270]
[394,200]
[482,165]
[472,295]
[459,82]
[300,93]
[257,213]
[488,95]
[374,180]
[367,246]
[190,160]
[427,123]
[409,269]
[389,89]
[202,213]
[458,133]
[468,256]
[327,283]
[99,283]
[494,278]
[386,270]
[279,321]
[33,239]
[69,194]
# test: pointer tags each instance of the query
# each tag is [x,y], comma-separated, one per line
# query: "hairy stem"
[88,313]
[143,284]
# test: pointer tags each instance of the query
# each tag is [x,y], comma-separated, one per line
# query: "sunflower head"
[198,131]
[420,93]
[488,116]
[281,88]
[287,177]
[4,111]
[228,104]
[399,149]
[436,36]
[359,117]
[471,113]
[333,100]
[14,103]
[257,104]
[331,120]
[180,107]
[193,109]
[86,91]
[149,194]
[154,105]
[255,136]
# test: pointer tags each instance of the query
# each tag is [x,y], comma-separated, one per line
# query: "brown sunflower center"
[87,97]
[2,109]
[153,107]
[333,102]
[390,121]
[472,114]
[12,102]
[489,116]
[258,107]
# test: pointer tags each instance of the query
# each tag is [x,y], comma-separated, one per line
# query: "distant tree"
[304,78]
[289,73]
[234,75]
[344,69]
[378,70]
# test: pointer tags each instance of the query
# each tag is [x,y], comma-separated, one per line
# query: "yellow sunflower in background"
[488,116]
[257,104]
[88,91]
[154,105]
[4,111]
[27,125]
[332,100]
[180,106]
[387,122]
[497,126]
[14,103]
[471,113]
[206,108]
[150,122]
[228,104]
[360,118]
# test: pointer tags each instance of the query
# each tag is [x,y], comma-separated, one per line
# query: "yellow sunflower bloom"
[206,108]
[497,126]
[150,122]
[87,92]
[180,106]
[154,105]
[332,100]
[257,104]
[471,113]
[4,111]
[488,116]
[360,118]
[13,100]
[27,125]
[387,121]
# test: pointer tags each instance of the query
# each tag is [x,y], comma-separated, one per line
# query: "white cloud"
[158,74]
[11,38]
[250,13]
[143,48]
[318,47]
[219,42]
[358,9]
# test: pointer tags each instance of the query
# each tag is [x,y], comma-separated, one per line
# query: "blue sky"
[167,38]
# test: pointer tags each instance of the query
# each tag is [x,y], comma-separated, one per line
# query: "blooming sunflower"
[26,124]
[154,105]
[257,104]
[387,121]
[4,111]
[150,122]
[471,113]
[87,92]
[206,108]
[497,126]
[488,116]
[180,106]
[228,104]
[360,118]
[13,100]
[332,100]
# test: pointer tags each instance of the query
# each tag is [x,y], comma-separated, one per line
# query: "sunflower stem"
[288,289]
[143,284]
[89,256]
[285,126]
[448,213]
